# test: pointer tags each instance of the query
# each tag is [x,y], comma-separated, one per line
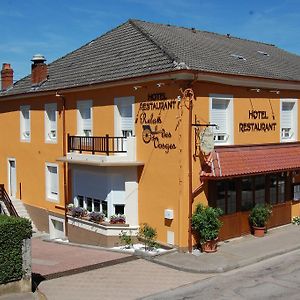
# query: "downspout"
[64,155]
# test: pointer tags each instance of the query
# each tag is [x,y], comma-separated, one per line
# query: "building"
[117,126]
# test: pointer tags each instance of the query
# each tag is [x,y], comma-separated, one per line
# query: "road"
[276,278]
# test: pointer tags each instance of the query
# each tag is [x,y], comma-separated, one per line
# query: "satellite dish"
[207,141]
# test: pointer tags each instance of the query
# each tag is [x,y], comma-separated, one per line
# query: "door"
[12,178]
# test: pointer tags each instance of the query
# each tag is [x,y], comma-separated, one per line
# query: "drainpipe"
[64,155]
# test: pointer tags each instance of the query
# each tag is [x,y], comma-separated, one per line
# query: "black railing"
[7,202]
[97,144]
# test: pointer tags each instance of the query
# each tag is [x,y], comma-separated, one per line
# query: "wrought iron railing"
[7,202]
[97,144]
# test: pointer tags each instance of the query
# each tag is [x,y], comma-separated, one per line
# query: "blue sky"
[56,27]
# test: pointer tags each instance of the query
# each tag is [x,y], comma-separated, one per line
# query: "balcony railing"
[97,144]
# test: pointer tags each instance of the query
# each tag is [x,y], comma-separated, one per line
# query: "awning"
[234,161]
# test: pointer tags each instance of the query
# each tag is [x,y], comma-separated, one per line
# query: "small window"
[297,192]
[25,122]
[52,181]
[119,209]
[89,203]
[104,207]
[50,122]
[84,122]
[80,201]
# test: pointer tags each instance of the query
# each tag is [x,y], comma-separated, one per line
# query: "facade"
[117,126]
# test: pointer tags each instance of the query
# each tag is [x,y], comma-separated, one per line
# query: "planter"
[259,231]
[210,246]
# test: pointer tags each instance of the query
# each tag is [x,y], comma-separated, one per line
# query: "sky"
[57,27]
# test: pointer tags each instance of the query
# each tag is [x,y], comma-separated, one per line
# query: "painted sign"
[257,125]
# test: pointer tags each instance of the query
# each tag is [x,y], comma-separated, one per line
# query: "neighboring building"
[107,127]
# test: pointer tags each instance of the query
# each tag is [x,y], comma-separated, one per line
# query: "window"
[288,120]
[124,118]
[84,118]
[119,209]
[52,182]
[91,204]
[221,115]
[50,122]
[25,122]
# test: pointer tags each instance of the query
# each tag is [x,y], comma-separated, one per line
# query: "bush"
[148,234]
[126,239]
[12,231]
[260,214]
[296,220]
[205,221]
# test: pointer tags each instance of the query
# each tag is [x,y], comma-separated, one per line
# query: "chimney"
[39,70]
[7,75]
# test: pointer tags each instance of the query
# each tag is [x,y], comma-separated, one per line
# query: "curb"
[243,263]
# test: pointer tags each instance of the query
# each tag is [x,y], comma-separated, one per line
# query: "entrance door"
[12,178]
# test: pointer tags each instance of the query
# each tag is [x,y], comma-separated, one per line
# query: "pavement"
[236,253]
[97,273]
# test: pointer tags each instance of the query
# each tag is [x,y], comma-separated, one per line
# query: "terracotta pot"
[210,246]
[259,231]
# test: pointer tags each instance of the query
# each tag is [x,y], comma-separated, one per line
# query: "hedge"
[12,231]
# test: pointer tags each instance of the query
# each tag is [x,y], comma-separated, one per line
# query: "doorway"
[12,177]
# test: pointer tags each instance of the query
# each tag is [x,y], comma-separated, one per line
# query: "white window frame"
[81,130]
[50,128]
[9,159]
[50,196]
[229,138]
[25,135]
[294,124]
[117,115]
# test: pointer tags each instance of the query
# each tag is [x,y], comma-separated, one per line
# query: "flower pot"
[259,231]
[210,246]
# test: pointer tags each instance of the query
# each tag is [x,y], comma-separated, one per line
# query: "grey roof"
[138,48]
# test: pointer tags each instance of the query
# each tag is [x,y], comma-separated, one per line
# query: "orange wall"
[163,181]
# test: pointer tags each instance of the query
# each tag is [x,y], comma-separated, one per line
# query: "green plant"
[206,222]
[12,231]
[148,235]
[126,239]
[260,214]
[296,220]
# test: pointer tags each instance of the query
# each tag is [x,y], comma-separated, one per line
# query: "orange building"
[117,127]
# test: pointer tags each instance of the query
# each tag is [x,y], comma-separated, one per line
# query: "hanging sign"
[207,140]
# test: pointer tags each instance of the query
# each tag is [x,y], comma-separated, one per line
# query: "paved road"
[130,280]
[276,278]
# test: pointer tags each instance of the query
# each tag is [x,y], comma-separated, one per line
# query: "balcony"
[103,150]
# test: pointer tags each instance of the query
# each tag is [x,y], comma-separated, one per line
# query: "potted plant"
[78,212]
[96,217]
[118,219]
[206,223]
[258,218]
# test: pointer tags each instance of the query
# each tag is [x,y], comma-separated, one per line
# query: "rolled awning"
[235,161]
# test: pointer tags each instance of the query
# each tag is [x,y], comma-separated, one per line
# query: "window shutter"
[53,180]
[219,115]
[85,116]
[287,115]
[52,118]
[126,116]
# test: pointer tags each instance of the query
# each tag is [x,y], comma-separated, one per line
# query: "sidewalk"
[236,253]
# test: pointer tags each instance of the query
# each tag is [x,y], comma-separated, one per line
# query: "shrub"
[205,221]
[296,220]
[148,234]
[260,214]
[126,239]
[12,231]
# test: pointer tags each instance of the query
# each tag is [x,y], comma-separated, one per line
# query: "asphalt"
[236,253]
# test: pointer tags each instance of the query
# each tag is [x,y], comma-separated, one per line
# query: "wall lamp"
[275,92]
[137,87]
[255,90]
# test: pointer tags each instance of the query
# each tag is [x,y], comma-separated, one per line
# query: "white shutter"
[219,115]
[52,118]
[126,116]
[53,180]
[286,114]
[25,122]
[85,116]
